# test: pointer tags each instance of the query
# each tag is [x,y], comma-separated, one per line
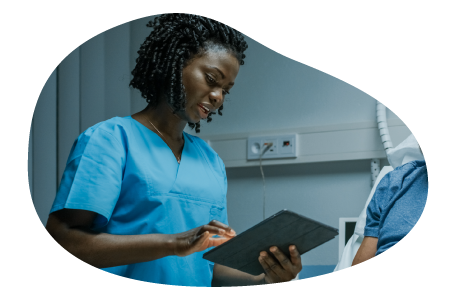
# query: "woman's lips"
[204,111]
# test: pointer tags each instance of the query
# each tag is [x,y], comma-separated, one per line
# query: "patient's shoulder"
[410,170]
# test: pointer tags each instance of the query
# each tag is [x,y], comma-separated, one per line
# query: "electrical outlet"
[283,146]
[272,151]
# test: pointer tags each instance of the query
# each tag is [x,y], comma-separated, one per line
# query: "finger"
[201,239]
[214,242]
[229,231]
[294,256]
[205,241]
[213,230]
[268,267]
[281,258]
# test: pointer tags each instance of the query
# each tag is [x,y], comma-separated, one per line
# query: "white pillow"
[405,152]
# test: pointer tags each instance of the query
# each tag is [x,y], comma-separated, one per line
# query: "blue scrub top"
[129,176]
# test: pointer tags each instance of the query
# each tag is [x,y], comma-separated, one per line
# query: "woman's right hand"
[201,238]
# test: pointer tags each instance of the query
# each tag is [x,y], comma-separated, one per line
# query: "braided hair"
[175,40]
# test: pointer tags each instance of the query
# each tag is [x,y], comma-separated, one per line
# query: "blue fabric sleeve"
[397,204]
[374,209]
[93,175]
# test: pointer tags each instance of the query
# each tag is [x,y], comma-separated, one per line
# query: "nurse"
[140,197]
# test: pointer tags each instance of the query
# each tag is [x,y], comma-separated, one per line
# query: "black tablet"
[282,229]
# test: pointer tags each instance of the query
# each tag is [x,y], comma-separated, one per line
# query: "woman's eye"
[210,79]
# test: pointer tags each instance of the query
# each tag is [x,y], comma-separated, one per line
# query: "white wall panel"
[315,144]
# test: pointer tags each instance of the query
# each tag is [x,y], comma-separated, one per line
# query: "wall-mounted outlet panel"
[283,146]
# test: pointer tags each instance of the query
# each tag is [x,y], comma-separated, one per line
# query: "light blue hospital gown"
[129,176]
[397,204]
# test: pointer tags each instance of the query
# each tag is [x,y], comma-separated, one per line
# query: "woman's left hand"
[280,268]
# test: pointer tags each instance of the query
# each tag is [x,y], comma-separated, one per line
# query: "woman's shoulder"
[117,128]
[108,137]
[111,124]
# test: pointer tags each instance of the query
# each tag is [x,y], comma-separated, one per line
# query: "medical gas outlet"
[283,146]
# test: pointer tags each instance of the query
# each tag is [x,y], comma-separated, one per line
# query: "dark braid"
[175,40]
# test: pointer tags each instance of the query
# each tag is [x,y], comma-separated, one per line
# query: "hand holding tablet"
[281,230]
[281,268]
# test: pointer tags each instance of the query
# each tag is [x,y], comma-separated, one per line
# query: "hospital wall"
[271,93]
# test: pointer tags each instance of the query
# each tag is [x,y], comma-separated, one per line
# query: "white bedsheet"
[355,241]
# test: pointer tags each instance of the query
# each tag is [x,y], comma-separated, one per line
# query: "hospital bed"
[403,153]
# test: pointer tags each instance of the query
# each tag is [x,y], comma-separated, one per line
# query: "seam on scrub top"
[149,187]
[191,198]
[112,136]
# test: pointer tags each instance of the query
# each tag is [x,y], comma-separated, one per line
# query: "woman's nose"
[216,97]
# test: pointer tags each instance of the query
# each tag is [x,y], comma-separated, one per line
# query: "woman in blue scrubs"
[140,197]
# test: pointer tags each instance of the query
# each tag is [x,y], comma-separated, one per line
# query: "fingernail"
[293,247]
[263,253]
[221,231]
[232,231]
[273,249]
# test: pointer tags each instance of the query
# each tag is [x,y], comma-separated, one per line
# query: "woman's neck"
[162,118]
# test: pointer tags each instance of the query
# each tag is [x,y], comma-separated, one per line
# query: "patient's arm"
[366,251]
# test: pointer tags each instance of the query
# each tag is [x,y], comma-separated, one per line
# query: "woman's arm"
[71,229]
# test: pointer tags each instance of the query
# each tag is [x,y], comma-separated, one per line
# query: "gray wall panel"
[322,191]
[274,92]
[68,107]
[117,71]
[138,32]
[45,149]
[92,78]
[30,160]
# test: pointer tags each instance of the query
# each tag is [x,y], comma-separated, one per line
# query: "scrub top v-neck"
[163,139]
[129,176]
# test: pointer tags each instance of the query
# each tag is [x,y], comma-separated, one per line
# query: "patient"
[394,209]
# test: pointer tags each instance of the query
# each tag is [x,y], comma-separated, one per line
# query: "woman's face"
[207,79]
